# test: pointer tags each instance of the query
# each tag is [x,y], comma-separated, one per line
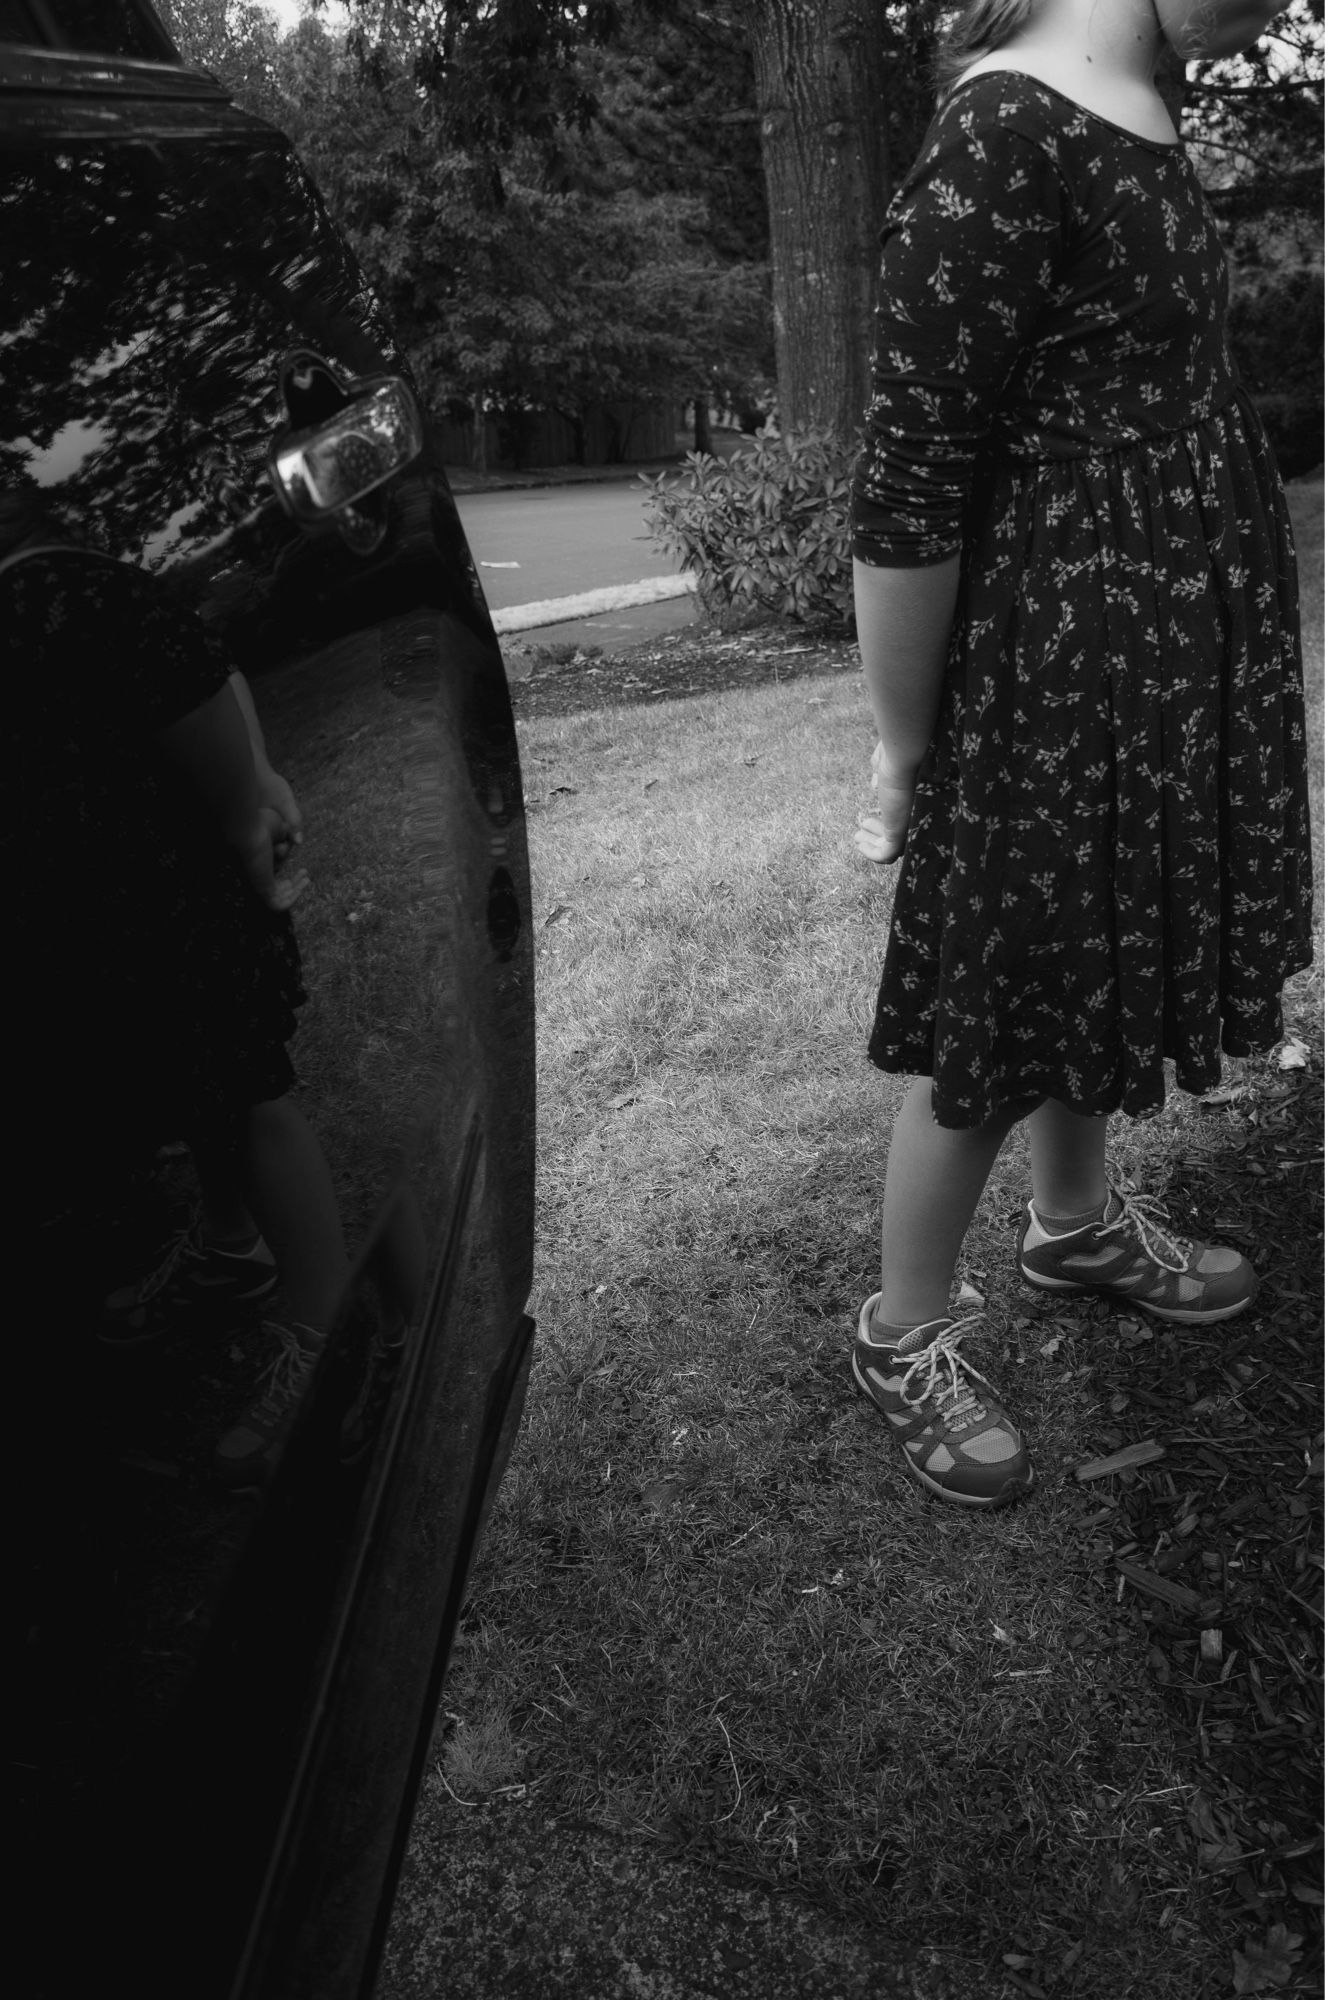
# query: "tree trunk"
[820,83]
[703,436]
[478,450]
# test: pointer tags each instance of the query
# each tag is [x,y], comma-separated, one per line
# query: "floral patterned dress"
[1108,861]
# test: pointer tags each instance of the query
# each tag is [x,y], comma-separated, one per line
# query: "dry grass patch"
[711,1606]
[711,1611]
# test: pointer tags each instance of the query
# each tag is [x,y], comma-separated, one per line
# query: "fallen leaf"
[1294,1053]
[555,915]
[1218,1855]
[1258,1967]
[1248,1891]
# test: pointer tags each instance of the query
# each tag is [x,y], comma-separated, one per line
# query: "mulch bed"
[1212,1548]
[562,680]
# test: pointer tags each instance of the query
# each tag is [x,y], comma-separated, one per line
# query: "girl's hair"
[981,26]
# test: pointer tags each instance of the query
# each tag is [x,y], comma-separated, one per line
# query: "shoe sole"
[1183,1315]
[922,1478]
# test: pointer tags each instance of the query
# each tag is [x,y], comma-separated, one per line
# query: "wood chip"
[1212,1645]
[1175,1595]
[1118,1461]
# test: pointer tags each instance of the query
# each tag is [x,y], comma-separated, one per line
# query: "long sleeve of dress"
[969,258]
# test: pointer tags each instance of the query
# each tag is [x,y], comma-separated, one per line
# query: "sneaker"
[192,1276]
[956,1437]
[1135,1256]
[247,1454]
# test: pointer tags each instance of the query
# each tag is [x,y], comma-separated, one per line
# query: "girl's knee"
[1016,1112]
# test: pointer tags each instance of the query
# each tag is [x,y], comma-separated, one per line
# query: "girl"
[1077,612]
[149,840]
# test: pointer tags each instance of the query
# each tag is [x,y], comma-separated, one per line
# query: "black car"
[226,1699]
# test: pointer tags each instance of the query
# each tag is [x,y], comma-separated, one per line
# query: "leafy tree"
[677,119]
[499,70]
[237,40]
[546,101]
[1258,137]
[515,287]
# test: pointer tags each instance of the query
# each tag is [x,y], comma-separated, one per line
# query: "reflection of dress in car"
[158,992]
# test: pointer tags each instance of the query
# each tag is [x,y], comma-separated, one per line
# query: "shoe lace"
[186,1247]
[1160,1241]
[947,1375]
[284,1376]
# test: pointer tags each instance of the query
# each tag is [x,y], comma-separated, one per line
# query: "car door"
[228,1700]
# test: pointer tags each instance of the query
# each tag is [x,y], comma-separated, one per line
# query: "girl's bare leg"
[934,1182]
[1069,1176]
[272,1172]
[292,1197]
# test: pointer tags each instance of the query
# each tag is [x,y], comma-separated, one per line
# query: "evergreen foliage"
[1259,139]
[768,534]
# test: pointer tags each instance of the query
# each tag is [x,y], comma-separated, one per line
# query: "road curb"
[589,603]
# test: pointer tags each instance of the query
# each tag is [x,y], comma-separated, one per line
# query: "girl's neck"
[1102,53]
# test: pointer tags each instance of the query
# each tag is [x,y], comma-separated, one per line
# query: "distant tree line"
[567,204]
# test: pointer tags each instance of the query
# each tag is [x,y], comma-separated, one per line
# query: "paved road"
[565,539]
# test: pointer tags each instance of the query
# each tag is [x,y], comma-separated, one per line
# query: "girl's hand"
[881,835]
[274,793]
[261,844]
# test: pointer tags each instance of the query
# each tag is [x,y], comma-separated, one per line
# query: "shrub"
[768,535]
[1275,324]
[1275,332]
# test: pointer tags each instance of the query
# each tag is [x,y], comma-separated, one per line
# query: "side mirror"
[323,471]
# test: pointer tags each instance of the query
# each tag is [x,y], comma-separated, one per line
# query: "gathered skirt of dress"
[1108,862]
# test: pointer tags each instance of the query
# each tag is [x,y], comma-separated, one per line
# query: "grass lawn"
[1070,1748]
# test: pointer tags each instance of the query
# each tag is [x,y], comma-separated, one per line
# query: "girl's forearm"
[211,751]
[903,622]
[244,697]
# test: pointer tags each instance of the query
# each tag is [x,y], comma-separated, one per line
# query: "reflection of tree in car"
[156,297]
[162,975]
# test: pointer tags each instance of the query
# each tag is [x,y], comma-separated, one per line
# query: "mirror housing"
[322,471]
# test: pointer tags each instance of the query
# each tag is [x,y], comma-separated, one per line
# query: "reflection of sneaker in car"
[192,1276]
[1134,1255]
[956,1437]
[246,1456]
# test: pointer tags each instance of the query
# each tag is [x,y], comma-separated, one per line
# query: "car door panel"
[164,258]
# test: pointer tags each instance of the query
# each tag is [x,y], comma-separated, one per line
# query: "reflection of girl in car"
[154,917]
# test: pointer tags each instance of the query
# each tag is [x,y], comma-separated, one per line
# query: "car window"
[87,27]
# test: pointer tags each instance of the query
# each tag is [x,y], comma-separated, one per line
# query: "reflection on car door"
[230,1699]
